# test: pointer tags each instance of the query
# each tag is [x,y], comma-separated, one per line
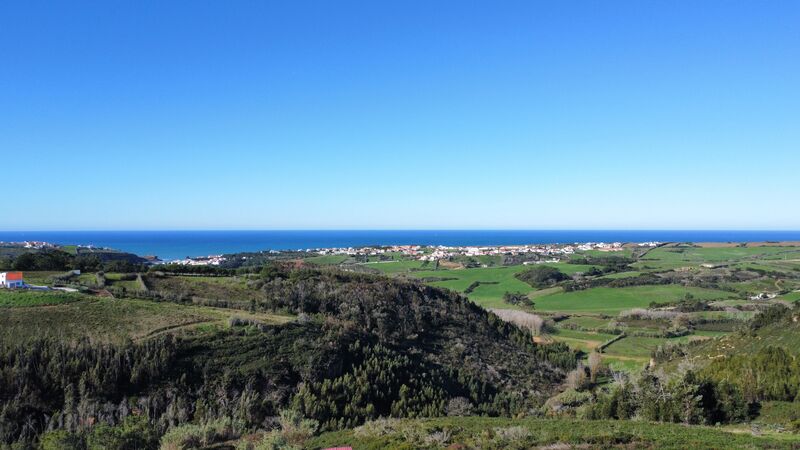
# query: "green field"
[581,340]
[639,347]
[40,278]
[614,300]
[10,299]
[697,255]
[108,319]
[401,266]
[327,260]
[617,275]
[491,295]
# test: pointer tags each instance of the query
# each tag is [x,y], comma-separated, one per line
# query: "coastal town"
[543,252]
[553,252]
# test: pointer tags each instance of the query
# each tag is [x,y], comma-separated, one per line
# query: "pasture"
[111,320]
[495,281]
[25,298]
[612,301]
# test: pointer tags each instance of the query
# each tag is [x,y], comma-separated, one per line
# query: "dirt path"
[171,328]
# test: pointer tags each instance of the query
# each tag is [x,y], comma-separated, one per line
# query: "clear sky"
[406,114]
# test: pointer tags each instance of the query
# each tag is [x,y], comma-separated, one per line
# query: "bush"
[542,276]
[459,406]
[60,440]
[194,436]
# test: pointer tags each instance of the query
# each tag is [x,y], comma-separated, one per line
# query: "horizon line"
[122,230]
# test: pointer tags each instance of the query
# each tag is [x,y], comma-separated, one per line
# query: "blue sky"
[312,114]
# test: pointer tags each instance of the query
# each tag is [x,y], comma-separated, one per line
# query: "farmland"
[32,315]
[603,300]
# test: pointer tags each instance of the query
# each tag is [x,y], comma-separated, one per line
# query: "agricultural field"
[493,281]
[604,300]
[40,278]
[30,315]
[585,341]
[21,299]
[698,255]
[400,266]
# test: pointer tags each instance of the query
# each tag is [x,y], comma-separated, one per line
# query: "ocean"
[169,245]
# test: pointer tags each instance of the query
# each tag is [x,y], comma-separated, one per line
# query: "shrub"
[459,406]
[60,440]
[192,435]
[526,321]
[542,276]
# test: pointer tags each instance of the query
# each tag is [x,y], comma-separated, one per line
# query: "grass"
[617,275]
[778,412]
[486,432]
[790,297]
[581,340]
[693,256]
[231,289]
[625,364]
[26,298]
[327,260]
[113,320]
[614,300]
[40,278]
[586,322]
[639,347]
[502,278]
[391,267]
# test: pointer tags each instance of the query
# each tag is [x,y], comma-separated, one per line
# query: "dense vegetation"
[59,260]
[542,277]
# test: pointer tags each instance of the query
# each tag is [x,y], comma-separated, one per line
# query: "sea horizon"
[178,244]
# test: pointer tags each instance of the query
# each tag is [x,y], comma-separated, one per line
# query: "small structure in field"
[11,280]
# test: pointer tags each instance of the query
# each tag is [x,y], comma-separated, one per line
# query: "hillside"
[361,347]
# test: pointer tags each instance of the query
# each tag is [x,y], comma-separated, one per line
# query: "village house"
[11,280]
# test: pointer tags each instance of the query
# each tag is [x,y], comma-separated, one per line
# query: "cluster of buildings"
[432,253]
[212,260]
[409,250]
[29,244]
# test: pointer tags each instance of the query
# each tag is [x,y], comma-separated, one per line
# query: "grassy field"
[390,267]
[20,298]
[614,300]
[40,278]
[581,340]
[697,255]
[613,276]
[639,347]
[496,433]
[327,260]
[111,320]
[498,281]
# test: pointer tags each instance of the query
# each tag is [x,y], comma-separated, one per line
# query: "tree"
[595,365]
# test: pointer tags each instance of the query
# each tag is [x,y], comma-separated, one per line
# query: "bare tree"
[595,365]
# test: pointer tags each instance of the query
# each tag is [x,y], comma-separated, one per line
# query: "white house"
[11,279]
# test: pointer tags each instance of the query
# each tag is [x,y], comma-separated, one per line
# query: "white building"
[11,280]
